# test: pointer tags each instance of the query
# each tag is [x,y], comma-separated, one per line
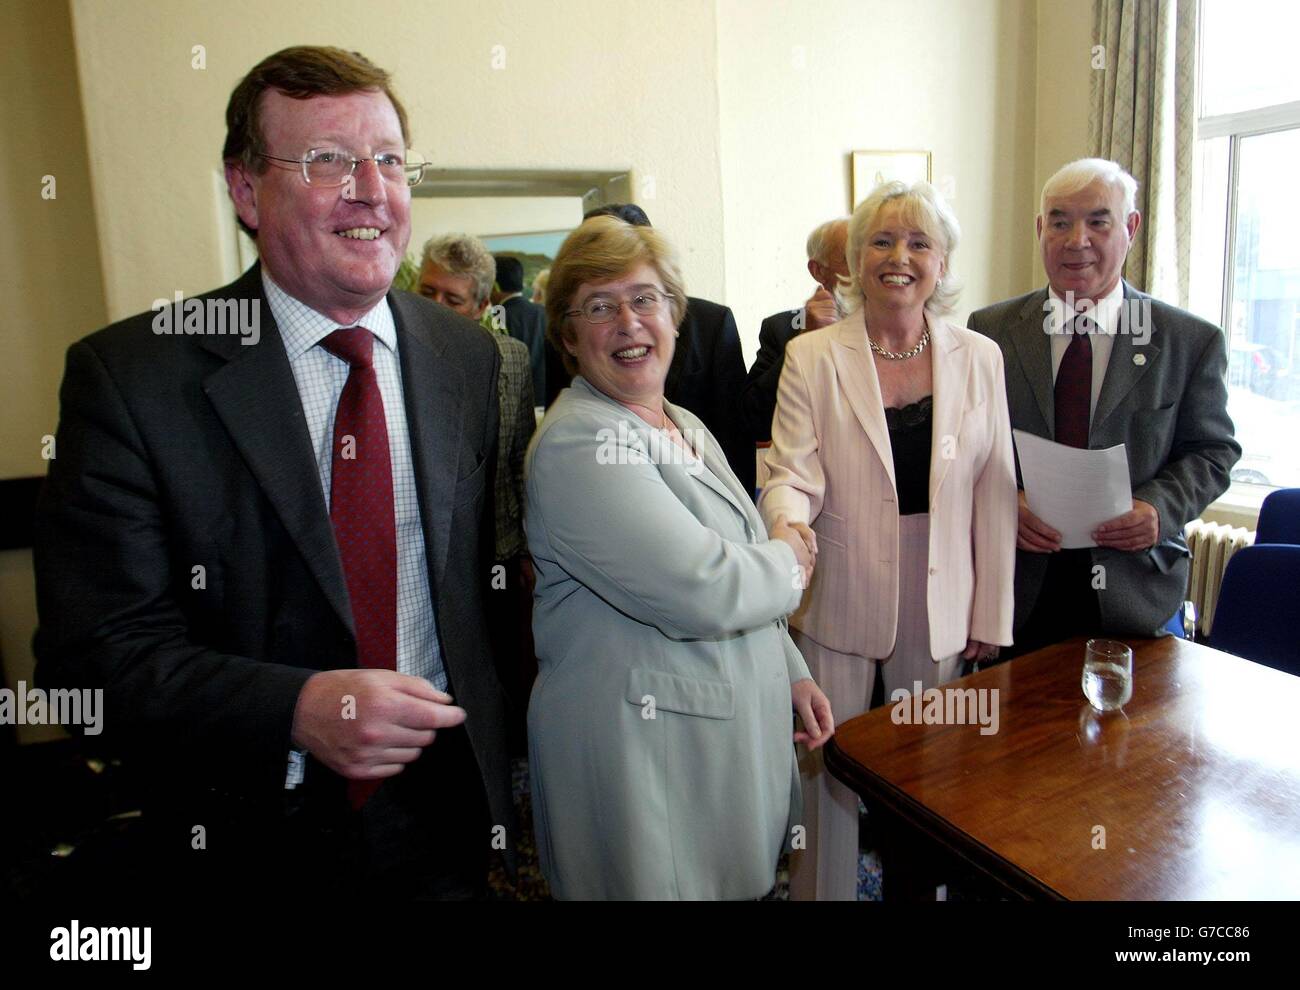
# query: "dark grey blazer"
[1166,401]
[707,376]
[765,374]
[180,451]
[526,322]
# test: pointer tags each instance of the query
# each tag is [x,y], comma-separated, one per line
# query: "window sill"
[1238,506]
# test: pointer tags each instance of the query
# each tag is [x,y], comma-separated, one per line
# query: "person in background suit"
[660,727]
[272,551]
[1091,362]
[828,267]
[707,375]
[457,271]
[891,440]
[525,321]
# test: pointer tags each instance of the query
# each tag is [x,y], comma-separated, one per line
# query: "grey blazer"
[1166,401]
[660,726]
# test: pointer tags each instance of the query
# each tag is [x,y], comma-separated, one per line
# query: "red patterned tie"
[361,509]
[1074,386]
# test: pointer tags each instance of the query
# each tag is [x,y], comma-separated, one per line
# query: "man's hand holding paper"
[1077,498]
[1137,529]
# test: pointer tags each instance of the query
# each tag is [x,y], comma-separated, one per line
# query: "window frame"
[1242,500]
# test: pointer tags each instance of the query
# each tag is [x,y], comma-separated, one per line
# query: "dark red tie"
[361,509]
[1074,386]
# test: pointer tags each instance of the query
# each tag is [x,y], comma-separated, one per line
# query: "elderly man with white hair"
[1091,362]
[827,265]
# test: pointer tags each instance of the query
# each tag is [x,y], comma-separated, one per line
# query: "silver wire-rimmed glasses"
[334,166]
[602,309]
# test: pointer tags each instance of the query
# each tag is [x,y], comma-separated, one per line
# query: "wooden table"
[1192,792]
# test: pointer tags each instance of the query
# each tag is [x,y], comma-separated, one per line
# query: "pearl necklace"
[903,355]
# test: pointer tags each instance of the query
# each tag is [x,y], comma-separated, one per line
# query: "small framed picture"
[870,168]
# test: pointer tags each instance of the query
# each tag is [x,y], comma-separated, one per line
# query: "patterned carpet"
[532,885]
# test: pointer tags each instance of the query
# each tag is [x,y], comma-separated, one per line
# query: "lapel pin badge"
[1139,359]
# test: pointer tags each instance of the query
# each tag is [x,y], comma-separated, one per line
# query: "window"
[1246,225]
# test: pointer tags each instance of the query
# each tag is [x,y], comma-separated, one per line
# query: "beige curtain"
[1144,117]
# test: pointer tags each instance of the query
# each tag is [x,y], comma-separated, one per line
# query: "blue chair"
[1183,622]
[1258,613]
[1279,518]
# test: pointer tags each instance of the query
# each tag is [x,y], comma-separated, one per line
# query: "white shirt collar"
[302,328]
[1104,314]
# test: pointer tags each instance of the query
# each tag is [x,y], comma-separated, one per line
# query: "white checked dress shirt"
[320,377]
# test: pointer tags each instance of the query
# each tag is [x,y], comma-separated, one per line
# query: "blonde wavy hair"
[921,207]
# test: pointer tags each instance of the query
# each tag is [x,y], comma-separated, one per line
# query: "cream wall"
[802,85]
[49,273]
[737,117]
[566,84]
[49,262]
[1064,76]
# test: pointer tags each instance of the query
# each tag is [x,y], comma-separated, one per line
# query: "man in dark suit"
[271,549]
[525,320]
[827,264]
[1091,362]
[707,374]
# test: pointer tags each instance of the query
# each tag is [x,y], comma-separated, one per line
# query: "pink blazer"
[832,467]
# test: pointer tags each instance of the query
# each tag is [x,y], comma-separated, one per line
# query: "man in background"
[457,271]
[525,321]
[827,264]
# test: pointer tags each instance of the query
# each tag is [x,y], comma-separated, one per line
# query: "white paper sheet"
[1072,490]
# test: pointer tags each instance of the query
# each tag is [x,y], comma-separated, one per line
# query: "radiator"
[1212,544]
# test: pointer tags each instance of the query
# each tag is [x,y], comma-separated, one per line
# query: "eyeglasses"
[333,166]
[602,309]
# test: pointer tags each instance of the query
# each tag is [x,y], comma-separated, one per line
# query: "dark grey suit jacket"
[526,322]
[1166,401]
[765,374]
[175,452]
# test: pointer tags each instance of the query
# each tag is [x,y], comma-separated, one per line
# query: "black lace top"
[909,436]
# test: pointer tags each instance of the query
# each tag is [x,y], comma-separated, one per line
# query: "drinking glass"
[1107,674]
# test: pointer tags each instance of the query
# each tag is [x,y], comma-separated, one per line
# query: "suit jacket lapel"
[1034,350]
[687,335]
[1128,362]
[256,397]
[950,369]
[718,475]
[434,393]
[857,373]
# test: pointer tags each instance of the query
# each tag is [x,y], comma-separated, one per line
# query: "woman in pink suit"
[892,440]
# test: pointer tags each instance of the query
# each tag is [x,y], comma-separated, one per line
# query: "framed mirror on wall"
[526,213]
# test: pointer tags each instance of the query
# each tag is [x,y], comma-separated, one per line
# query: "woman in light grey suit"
[660,725]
